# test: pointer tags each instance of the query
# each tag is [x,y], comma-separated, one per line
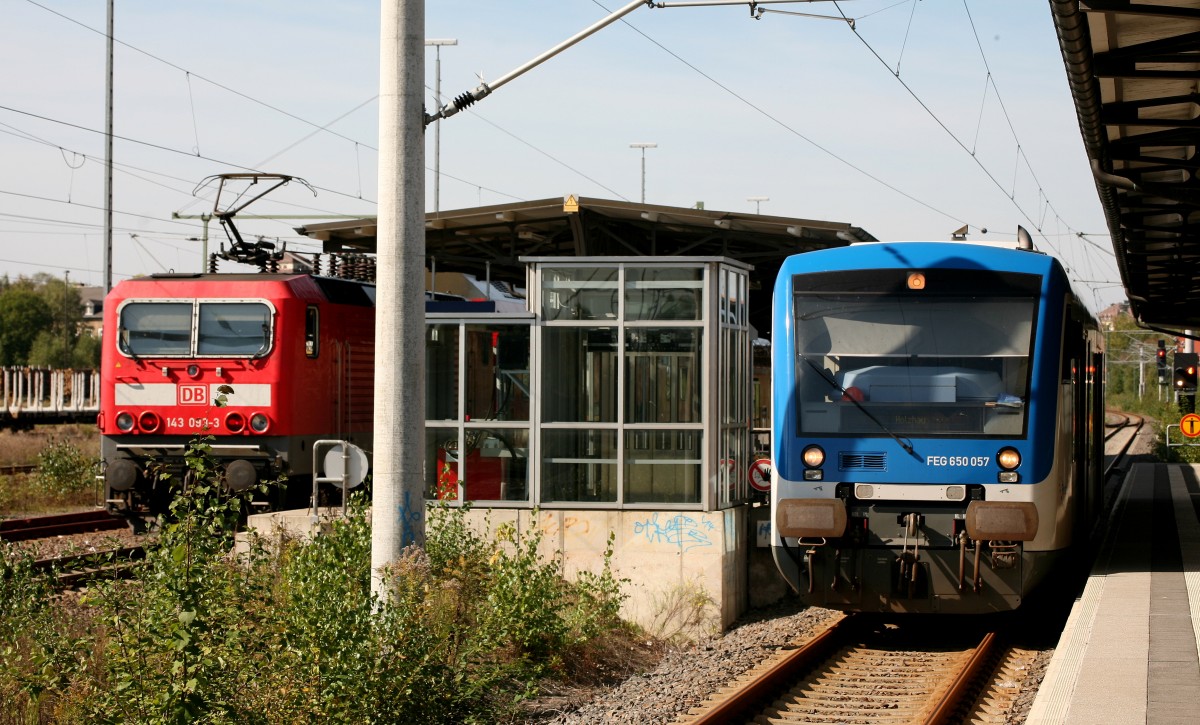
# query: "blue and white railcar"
[937,425]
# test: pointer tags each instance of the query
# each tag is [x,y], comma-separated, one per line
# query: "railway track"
[18,470]
[864,671]
[78,569]
[1132,426]
[38,527]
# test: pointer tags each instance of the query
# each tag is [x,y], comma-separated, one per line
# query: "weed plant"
[68,460]
[292,633]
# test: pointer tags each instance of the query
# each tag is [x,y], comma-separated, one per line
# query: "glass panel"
[662,375]
[497,372]
[728,385]
[495,467]
[234,328]
[761,415]
[579,293]
[920,364]
[579,465]
[743,300]
[662,466]
[663,294]
[156,328]
[723,275]
[733,484]
[441,464]
[441,372]
[579,382]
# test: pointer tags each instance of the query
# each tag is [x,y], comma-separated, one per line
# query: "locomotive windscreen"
[195,328]
[926,353]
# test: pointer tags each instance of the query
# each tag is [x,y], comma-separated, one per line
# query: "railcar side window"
[156,328]
[233,328]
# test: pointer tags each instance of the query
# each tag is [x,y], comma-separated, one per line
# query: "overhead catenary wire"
[1039,215]
[160,147]
[779,122]
[222,86]
[1020,155]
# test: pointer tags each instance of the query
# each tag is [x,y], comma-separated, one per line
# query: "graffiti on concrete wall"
[679,530]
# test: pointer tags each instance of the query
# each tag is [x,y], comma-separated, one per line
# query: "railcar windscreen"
[195,328]
[948,357]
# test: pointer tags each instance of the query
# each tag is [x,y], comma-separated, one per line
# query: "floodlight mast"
[485,89]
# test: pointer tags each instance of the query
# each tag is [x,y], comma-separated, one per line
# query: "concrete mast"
[398,501]
[108,151]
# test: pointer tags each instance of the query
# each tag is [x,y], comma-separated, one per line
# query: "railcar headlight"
[259,423]
[235,422]
[149,421]
[124,422]
[1008,458]
[193,370]
[813,456]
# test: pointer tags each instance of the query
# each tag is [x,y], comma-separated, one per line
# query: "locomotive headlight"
[259,423]
[193,370]
[1009,459]
[124,422]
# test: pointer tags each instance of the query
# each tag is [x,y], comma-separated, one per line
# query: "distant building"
[92,299]
[1109,314]
[293,263]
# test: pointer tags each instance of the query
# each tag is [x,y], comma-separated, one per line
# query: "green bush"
[63,469]
[294,634]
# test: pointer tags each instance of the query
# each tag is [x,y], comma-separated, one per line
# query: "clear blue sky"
[804,111]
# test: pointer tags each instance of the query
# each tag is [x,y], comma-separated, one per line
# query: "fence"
[45,395]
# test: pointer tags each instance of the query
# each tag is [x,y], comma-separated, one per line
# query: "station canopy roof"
[1134,71]
[492,239]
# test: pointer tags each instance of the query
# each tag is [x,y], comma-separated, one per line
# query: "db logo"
[193,395]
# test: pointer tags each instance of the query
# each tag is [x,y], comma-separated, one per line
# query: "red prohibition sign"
[1190,425]
[760,474]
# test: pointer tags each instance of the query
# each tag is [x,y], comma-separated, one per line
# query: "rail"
[37,527]
[861,672]
[31,395]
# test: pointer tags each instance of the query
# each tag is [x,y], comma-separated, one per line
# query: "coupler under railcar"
[894,557]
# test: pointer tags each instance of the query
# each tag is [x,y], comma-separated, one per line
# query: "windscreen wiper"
[905,443]
[123,337]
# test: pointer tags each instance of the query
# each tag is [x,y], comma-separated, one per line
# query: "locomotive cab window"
[233,329]
[155,329]
[197,328]
[935,359]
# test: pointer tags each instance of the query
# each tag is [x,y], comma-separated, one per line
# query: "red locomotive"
[265,363]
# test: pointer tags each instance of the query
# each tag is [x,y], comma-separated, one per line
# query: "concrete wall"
[690,573]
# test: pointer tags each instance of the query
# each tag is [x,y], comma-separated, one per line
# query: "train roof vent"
[862,461]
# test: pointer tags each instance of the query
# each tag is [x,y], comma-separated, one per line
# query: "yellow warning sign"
[1190,425]
[571,205]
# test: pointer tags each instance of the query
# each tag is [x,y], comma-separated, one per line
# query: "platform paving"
[1129,651]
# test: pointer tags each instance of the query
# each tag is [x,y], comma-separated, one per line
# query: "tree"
[23,314]
[41,324]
